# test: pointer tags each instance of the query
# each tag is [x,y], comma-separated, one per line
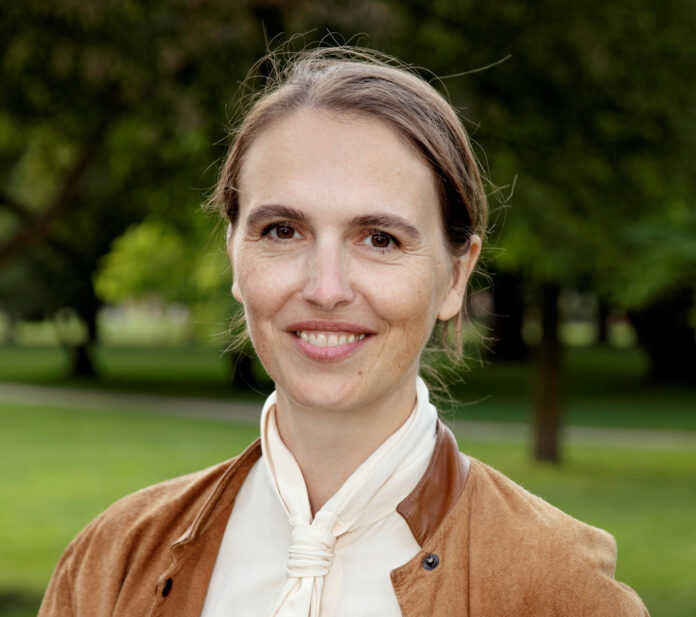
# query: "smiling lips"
[328,339]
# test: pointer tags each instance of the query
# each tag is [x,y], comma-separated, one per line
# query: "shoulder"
[161,513]
[519,541]
[127,546]
[506,505]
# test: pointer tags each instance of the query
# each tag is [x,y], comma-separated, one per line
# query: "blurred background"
[114,284]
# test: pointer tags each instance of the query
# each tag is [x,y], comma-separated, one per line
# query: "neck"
[329,444]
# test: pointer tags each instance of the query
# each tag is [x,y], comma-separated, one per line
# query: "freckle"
[359,372]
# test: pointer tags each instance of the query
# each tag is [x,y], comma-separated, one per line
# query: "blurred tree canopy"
[109,111]
[113,112]
[590,114]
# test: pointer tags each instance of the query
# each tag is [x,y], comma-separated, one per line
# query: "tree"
[109,110]
[590,112]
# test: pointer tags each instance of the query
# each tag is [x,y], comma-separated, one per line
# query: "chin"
[333,392]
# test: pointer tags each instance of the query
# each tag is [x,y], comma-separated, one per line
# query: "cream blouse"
[275,560]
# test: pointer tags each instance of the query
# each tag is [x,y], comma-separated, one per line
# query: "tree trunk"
[508,309]
[602,322]
[548,398]
[37,227]
[664,329]
[82,361]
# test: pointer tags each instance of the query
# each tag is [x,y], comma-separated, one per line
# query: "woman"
[356,213]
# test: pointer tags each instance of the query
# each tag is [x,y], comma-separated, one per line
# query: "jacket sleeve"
[530,559]
[57,600]
[584,582]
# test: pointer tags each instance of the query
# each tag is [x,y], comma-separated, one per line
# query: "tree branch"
[13,206]
[26,215]
[38,226]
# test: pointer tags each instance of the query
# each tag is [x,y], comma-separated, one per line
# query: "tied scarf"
[369,494]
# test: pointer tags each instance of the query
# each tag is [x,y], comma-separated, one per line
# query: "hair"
[359,81]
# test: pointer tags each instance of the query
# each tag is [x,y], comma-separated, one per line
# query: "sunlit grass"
[62,467]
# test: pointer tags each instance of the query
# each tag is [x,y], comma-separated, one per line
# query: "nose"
[327,281]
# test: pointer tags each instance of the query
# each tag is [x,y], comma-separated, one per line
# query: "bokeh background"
[114,286]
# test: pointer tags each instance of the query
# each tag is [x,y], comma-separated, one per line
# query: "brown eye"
[285,232]
[380,240]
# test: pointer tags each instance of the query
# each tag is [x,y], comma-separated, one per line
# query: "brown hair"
[354,80]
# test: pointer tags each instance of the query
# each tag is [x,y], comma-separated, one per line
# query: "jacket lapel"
[182,587]
[438,575]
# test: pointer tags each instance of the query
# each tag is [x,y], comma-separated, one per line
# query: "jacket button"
[167,587]
[431,561]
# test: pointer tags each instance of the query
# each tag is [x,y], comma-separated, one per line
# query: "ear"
[229,243]
[461,271]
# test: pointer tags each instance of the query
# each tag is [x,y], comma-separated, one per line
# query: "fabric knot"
[310,552]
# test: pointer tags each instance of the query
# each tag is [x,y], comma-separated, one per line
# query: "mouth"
[328,340]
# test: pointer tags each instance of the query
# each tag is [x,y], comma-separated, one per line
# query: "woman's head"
[353,216]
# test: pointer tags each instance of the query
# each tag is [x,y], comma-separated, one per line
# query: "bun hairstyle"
[358,81]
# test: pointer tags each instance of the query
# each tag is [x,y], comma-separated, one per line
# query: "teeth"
[328,339]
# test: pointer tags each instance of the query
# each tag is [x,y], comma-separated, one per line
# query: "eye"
[380,240]
[280,231]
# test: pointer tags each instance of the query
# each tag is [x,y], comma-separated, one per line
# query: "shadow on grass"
[19,603]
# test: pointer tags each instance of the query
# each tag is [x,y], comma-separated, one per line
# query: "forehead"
[319,159]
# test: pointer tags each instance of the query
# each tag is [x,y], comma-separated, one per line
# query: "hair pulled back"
[359,81]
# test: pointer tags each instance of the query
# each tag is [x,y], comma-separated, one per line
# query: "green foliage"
[155,258]
[593,119]
[111,110]
[111,113]
[662,250]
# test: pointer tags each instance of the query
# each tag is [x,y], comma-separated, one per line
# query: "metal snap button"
[431,561]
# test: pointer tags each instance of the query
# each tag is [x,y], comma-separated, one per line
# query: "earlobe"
[235,292]
[461,271]
[229,237]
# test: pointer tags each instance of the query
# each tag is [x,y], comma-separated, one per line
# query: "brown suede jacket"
[488,549]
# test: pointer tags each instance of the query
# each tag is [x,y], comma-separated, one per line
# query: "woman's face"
[339,258]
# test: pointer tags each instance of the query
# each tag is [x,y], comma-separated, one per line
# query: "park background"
[114,286]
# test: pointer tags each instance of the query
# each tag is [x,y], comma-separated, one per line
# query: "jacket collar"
[194,553]
[423,509]
[438,490]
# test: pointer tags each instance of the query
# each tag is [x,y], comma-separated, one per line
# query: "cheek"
[409,301]
[263,284]
[257,275]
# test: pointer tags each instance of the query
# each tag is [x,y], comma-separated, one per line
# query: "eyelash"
[383,249]
[274,227]
[269,229]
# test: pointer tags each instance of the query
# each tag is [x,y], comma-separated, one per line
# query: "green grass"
[62,467]
[603,386]
[178,371]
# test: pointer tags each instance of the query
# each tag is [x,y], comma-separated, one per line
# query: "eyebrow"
[379,219]
[387,220]
[275,211]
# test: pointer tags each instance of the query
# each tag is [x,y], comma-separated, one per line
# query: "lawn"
[62,467]
[603,386]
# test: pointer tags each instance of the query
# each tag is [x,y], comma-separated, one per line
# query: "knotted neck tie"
[312,541]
